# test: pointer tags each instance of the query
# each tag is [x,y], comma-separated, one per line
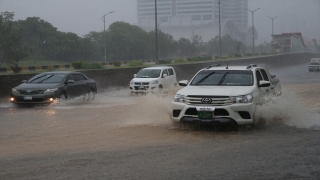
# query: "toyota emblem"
[206,100]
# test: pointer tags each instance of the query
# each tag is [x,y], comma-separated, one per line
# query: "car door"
[71,88]
[172,77]
[165,82]
[259,77]
[82,83]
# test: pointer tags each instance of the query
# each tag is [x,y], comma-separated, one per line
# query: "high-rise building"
[192,12]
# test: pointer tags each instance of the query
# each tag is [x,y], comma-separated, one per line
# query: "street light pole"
[272,21]
[156,30]
[252,12]
[220,50]
[104,35]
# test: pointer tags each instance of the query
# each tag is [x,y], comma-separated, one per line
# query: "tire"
[63,97]
[160,88]
[90,95]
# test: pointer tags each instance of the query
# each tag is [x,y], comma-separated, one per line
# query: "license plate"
[141,87]
[205,115]
[27,98]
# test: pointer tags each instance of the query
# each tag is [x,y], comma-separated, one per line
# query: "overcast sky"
[83,16]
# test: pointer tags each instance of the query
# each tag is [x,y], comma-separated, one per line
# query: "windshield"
[149,73]
[223,78]
[47,78]
[314,63]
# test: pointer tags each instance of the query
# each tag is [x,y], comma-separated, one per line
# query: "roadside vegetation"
[35,42]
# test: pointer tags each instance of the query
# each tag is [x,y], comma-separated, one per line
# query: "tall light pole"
[156,29]
[160,29]
[252,12]
[103,18]
[220,50]
[272,21]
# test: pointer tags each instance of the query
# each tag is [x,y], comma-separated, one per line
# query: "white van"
[153,79]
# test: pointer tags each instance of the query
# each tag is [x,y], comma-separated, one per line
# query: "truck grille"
[214,100]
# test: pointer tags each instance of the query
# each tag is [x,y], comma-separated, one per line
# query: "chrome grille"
[216,100]
[30,92]
[141,83]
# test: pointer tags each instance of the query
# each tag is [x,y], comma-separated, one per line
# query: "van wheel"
[160,88]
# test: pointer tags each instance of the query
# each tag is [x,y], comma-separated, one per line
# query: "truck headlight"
[50,90]
[15,91]
[154,82]
[131,82]
[242,99]
[179,98]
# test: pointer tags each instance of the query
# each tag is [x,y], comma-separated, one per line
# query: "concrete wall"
[109,78]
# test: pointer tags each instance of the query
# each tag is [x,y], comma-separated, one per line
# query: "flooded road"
[119,136]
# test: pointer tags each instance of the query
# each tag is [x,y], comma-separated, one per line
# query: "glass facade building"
[191,12]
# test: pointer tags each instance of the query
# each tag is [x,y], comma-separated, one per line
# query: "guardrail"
[60,67]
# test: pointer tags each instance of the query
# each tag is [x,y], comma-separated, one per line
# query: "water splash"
[287,109]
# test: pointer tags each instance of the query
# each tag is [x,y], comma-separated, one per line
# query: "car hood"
[31,86]
[216,90]
[144,79]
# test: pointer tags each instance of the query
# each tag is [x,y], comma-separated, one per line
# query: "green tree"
[12,48]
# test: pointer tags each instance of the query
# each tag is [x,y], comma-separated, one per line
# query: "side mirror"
[24,81]
[264,84]
[183,83]
[70,81]
[135,75]
[165,75]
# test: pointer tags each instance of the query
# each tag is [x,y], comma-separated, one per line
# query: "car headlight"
[242,99]
[15,91]
[131,82]
[179,98]
[154,82]
[50,90]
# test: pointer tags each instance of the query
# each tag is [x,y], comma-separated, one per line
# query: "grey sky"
[83,16]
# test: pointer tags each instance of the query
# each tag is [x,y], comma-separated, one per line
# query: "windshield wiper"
[44,79]
[222,79]
[204,78]
[37,78]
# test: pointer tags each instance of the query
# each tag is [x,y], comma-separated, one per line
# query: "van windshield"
[149,73]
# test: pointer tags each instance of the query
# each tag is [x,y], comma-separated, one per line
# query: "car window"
[223,78]
[264,75]
[170,72]
[71,77]
[259,77]
[164,72]
[80,77]
[149,73]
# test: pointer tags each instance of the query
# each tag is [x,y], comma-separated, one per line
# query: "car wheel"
[160,88]
[90,96]
[63,97]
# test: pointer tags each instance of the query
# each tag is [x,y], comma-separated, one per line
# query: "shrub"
[78,65]
[117,63]
[179,60]
[84,65]
[92,66]
[165,61]
[135,63]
